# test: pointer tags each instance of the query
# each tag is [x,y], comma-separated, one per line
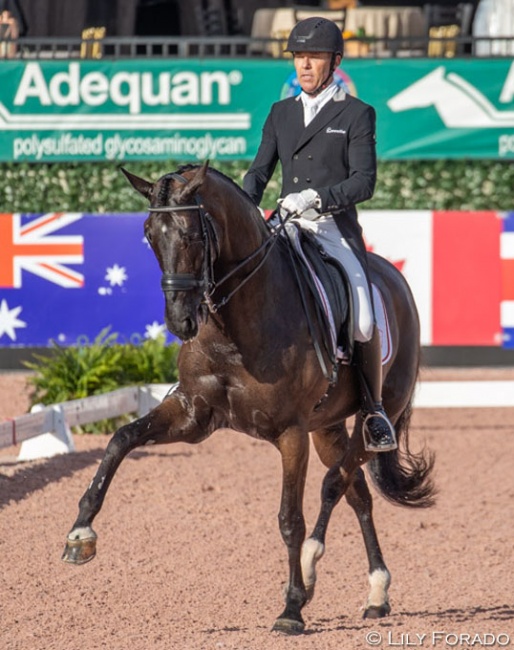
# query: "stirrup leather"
[369,443]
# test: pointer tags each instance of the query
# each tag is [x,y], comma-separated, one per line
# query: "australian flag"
[65,277]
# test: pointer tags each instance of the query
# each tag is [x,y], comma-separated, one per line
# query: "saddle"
[328,283]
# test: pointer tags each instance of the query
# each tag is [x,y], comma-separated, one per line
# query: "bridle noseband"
[180,282]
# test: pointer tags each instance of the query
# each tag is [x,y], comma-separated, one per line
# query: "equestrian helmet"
[315,34]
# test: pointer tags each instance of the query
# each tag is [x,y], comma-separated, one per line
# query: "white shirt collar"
[321,99]
[312,105]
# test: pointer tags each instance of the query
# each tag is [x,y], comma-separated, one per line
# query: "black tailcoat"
[334,155]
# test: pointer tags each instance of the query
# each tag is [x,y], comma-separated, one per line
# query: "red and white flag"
[453,265]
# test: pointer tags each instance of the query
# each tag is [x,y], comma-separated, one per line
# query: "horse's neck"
[241,233]
[262,285]
[244,234]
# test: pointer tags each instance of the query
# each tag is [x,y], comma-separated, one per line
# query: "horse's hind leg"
[346,478]
[359,498]
[172,421]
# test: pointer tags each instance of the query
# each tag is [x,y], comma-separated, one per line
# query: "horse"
[247,363]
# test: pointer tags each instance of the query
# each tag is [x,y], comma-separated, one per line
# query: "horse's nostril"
[189,323]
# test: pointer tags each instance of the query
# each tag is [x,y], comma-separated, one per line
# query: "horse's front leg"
[176,419]
[294,448]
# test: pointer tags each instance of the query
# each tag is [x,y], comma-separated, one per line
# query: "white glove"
[302,203]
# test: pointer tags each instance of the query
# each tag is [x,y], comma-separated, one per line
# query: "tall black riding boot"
[378,432]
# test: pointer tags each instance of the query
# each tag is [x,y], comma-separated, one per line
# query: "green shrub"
[105,364]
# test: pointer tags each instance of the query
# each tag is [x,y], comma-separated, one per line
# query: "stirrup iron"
[369,443]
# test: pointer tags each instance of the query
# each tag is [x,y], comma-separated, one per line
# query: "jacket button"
[295,157]
[307,180]
[295,179]
[309,157]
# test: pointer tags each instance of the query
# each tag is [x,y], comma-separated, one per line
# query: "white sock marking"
[312,551]
[82,533]
[379,582]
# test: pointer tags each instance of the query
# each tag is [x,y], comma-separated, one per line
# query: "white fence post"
[45,431]
[57,440]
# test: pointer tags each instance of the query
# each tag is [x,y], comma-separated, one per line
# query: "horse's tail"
[401,476]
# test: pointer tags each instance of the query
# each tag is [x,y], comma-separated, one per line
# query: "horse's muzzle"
[188,329]
[184,317]
[183,313]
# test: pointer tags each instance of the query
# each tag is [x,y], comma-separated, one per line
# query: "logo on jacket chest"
[331,130]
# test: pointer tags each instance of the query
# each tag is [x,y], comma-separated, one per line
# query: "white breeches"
[335,245]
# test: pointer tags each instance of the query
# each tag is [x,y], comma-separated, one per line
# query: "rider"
[325,141]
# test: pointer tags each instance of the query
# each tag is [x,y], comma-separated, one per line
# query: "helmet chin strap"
[324,83]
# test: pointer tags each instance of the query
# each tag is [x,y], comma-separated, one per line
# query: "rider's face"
[312,68]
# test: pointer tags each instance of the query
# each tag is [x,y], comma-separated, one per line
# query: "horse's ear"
[184,194]
[139,184]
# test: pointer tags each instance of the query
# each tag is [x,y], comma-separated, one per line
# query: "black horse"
[248,363]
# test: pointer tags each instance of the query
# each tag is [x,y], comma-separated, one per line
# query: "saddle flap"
[328,283]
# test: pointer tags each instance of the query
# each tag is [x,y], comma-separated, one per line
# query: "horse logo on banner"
[458,103]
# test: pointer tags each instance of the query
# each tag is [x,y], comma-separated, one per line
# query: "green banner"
[440,108]
[142,109]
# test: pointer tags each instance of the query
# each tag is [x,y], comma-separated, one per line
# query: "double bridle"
[171,282]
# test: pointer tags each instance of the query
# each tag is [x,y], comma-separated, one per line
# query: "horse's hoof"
[78,549]
[374,611]
[288,626]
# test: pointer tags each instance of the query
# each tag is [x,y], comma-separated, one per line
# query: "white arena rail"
[45,431]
